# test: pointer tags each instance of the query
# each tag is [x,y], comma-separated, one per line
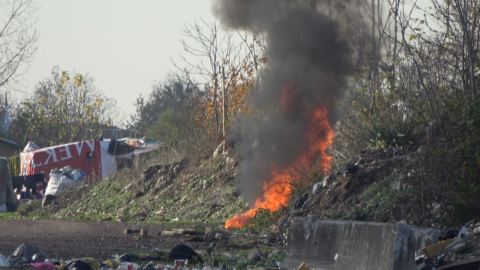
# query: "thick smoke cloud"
[307,52]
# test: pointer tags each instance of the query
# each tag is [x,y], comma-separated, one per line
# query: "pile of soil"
[338,192]
[202,187]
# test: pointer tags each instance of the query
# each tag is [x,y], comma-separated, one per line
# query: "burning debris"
[309,61]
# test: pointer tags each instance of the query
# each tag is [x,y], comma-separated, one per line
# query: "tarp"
[89,156]
[59,183]
[8,200]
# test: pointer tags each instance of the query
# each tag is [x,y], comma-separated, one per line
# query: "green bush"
[381,135]
[172,127]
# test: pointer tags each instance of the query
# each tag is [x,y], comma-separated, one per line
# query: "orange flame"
[278,186]
[288,97]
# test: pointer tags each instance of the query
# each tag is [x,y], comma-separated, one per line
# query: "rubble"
[463,252]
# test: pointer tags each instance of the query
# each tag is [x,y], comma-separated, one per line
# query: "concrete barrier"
[359,245]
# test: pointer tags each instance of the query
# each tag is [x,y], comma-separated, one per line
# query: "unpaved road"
[72,239]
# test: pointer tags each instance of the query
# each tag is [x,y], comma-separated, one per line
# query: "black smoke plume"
[306,51]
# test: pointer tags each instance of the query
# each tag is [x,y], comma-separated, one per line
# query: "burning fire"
[278,186]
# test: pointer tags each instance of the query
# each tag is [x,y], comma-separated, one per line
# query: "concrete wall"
[359,245]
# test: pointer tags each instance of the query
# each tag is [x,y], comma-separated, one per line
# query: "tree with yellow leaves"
[65,108]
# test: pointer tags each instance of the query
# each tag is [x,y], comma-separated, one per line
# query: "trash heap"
[457,248]
[181,257]
[65,179]
[29,255]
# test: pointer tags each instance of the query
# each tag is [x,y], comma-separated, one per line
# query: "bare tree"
[18,38]
[460,21]
[226,59]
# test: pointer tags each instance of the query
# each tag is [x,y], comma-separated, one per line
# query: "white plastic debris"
[463,232]
[4,262]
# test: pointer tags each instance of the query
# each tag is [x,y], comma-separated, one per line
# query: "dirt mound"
[345,186]
[199,188]
[335,195]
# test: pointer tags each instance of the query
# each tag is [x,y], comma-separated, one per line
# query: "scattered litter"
[92,262]
[28,251]
[180,263]
[128,266]
[350,168]
[435,248]
[184,252]
[31,146]
[222,235]
[77,265]
[128,257]
[135,231]
[302,266]
[42,265]
[113,263]
[65,179]
[318,186]
[300,201]
[275,263]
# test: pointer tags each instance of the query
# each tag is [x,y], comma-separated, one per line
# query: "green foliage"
[174,94]
[381,135]
[63,109]
[172,127]
[384,199]
[440,184]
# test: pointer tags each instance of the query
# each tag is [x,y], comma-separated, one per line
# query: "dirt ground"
[72,239]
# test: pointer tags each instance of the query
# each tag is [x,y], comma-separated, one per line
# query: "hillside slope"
[197,189]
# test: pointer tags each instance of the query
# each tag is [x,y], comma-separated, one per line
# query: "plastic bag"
[92,262]
[78,265]
[59,183]
[112,263]
[77,175]
[31,146]
[128,257]
[39,257]
[128,266]
[4,262]
[42,265]
[27,251]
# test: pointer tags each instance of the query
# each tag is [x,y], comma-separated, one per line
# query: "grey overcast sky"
[124,45]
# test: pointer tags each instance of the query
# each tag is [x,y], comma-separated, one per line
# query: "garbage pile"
[65,179]
[181,257]
[457,248]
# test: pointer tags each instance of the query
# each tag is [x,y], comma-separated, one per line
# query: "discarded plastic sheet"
[77,265]
[4,262]
[27,251]
[184,252]
[42,265]
[60,183]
